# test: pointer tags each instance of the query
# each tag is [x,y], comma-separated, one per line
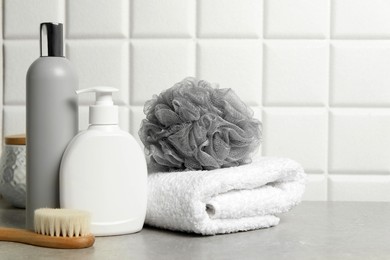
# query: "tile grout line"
[387,109]
[130,39]
[129,62]
[262,89]
[65,13]
[2,71]
[28,38]
[130,20]
[195,38]
[328,137]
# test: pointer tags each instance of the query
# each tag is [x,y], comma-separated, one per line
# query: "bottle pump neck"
[103,112]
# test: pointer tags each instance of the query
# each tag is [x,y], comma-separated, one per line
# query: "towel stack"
[225,200]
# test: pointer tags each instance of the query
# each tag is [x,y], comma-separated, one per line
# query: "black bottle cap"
[52,40]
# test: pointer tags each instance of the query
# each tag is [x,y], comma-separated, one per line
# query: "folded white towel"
[226,200]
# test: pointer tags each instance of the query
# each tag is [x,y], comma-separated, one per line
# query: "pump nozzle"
[103,94]
[103,112]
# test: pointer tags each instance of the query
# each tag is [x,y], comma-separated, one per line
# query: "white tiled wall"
[317,72]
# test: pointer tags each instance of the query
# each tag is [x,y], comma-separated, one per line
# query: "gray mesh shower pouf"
[196,126]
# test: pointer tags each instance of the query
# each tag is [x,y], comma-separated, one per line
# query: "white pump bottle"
[103,171]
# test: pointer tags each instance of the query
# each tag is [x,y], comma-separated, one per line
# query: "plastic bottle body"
[104,171]
[52,121]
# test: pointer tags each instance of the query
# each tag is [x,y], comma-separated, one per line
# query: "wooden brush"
[55,228]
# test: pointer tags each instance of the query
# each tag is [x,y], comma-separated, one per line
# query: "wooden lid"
[19,139]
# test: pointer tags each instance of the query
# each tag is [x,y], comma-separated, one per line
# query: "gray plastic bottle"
[52,119]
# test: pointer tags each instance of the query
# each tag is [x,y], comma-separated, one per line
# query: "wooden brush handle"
[31,238]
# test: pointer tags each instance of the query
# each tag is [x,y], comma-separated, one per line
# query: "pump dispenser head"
[104,112]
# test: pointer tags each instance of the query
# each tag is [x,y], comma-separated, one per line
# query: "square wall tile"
[136,117]
[360,73]
[101,63]
[230,18]
[98,18]
[359,140]
[14,120]
[169,18]
[297,133]
[124,118]
[159,64]
[235,64]
[316,188]
[22,18]
[18,56]
[360,18]
[296,73]
[296,19]
[83,117]
[359,188]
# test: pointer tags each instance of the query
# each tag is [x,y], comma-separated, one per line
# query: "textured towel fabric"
[225,200]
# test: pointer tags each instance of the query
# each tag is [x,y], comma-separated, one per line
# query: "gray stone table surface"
[312,230]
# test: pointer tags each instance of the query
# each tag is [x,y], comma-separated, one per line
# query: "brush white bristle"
[62,222]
